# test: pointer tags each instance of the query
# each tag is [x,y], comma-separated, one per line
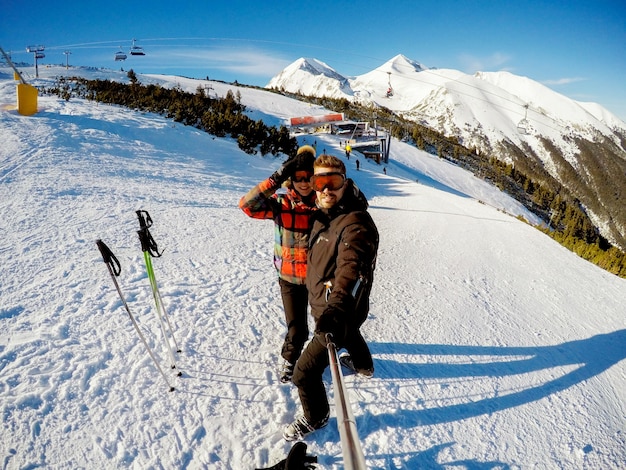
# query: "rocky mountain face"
[580,146]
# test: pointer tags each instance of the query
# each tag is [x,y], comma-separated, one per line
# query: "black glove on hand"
[331,322]
[285,171]
[296,460]
[326,324]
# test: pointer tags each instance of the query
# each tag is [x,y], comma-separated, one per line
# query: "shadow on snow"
[592,356]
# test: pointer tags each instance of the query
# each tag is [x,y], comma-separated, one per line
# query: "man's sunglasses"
[331,181]
[301,177]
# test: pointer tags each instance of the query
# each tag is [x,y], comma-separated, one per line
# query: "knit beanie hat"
[305,158]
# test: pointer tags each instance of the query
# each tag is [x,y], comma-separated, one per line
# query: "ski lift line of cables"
[540,115]
[427,71]
[482,90]
[146,40]
[225,39]
[91,45]
[524,122]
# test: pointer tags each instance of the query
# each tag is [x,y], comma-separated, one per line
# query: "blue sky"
[577,48]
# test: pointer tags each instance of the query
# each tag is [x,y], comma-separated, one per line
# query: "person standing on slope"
[341,262]
[291,212]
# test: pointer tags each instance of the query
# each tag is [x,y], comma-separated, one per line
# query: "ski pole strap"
[144,221]
[145,237]
[109,258]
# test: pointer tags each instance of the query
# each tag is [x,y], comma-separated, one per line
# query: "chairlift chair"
[136,50]
[390,89]
[523,127]
[120,55]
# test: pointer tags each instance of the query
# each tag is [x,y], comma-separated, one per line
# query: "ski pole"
[350,445]
[150,249]
[115,269]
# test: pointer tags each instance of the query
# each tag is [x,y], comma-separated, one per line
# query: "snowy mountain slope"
[494,346]
[563,137]
[544,102]
[316,79]
[414,83]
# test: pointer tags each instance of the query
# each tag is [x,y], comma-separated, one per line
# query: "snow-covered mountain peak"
[402,65]
[311,77]
[314,67]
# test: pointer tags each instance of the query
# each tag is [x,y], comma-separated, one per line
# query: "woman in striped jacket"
[291,212]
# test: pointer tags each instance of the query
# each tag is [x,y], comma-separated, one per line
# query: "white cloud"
[496,61]
[249,61]
[564,81]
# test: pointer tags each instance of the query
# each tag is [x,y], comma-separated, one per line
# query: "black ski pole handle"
[144,222]
[145,237]
[109,258]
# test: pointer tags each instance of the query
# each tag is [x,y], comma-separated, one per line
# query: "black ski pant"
[310,367]
[295,303]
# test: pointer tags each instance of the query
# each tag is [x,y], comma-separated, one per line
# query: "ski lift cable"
[540,116]
[459,81]
[84,44]
[102,43]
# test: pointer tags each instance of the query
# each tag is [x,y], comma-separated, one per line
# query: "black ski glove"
[330,322]
[296,460]
[285,171]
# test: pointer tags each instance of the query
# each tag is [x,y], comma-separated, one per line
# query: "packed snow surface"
[494,346]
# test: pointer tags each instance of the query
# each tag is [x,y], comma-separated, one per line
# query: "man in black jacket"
[340,265]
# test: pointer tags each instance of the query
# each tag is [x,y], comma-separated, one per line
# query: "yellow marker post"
[26,94]
[26,99]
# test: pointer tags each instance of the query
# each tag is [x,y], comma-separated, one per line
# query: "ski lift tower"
[38,54]
[375,125]
[67,59]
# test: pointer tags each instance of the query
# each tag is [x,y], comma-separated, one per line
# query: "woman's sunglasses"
[331,181]
[301,176]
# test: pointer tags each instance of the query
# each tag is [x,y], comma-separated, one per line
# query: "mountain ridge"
[577,146]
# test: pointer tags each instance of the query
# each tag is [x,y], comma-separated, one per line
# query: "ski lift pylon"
[136,50]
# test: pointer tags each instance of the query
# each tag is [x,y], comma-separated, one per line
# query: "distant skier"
[291,213]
